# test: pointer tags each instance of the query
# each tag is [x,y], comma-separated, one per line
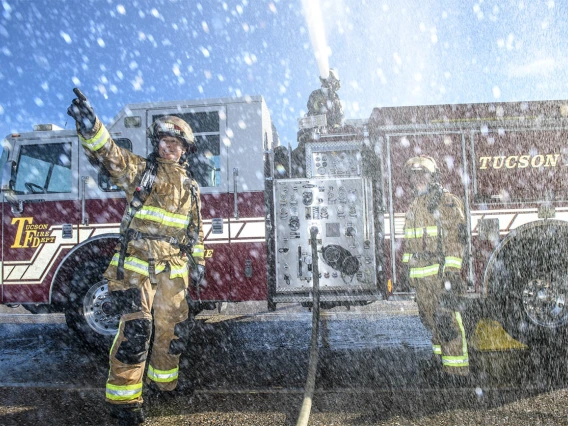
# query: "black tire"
[528,278]
[86,312]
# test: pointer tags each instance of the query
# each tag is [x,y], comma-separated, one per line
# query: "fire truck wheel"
[527,274]
[87,312]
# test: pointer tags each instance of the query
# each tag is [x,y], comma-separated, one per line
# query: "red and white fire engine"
[61,215]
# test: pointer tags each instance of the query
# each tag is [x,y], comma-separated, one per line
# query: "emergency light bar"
[46,127]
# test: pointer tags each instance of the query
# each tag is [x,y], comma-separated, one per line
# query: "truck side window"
[44,168]
[206,162]
[104,178]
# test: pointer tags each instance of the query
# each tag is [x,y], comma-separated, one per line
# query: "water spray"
[316,28]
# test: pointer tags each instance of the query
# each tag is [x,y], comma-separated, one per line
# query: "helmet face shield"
[418,170]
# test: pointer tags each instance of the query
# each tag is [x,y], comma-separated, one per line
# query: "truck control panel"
[339,208]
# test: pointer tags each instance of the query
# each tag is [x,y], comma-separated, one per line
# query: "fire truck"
[342,186]
[508,162]
[61,215]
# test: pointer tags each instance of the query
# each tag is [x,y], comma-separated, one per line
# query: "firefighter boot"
[156,395]
[127,414]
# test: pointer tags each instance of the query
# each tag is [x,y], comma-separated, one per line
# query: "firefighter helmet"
[170,125]
[423,163]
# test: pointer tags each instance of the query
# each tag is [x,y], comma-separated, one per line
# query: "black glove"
[82,112]
[197,275]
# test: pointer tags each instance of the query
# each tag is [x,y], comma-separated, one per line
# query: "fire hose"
[304,415]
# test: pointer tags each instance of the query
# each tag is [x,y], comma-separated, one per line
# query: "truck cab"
[61,214]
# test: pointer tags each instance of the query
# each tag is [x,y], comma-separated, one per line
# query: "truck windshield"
[44,168]
[4,155]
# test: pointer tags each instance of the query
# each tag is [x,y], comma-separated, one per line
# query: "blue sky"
[387,53]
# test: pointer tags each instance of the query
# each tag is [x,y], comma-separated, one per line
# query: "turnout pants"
[129,350]
[445,324]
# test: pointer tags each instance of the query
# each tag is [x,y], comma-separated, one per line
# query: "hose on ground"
[304,415]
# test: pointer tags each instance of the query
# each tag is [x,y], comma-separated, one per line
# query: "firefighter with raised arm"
[433,250]
[322,101]
[161,248]
[326,101]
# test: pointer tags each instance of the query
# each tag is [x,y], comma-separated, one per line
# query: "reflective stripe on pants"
[167,300]
[451,360]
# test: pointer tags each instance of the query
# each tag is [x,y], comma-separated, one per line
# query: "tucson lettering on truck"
[518,161]
[30,234]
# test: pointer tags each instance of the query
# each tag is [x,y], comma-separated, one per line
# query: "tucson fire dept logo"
[29,234]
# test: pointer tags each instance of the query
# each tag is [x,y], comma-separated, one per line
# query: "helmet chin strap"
[183,157]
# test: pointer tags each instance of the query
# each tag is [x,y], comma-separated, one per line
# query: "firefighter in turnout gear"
[326,101]
[161,248]
[433,249]
[323,101]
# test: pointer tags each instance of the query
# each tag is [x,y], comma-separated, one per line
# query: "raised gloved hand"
[82,112]
[197,275]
